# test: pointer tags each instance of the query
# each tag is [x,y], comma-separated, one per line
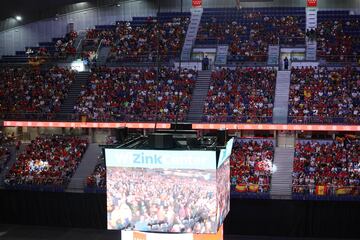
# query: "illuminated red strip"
[279,127]
[207,126]
[85,125]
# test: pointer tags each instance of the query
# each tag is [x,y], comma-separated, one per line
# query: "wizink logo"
[141,158]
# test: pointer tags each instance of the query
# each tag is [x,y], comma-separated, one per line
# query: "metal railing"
[351,120]
[236,119]
[325,190]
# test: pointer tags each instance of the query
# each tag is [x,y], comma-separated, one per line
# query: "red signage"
[196,3]
[206,126]
[312,3]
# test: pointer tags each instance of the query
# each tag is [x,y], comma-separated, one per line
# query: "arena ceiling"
[31,10]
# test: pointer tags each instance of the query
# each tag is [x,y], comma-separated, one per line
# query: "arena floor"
[14,232]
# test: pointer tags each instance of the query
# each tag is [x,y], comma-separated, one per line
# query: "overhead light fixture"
[18,18]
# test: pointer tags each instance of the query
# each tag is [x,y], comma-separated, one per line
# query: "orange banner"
[241,188]
[253,188]
[139,236]
[320,190]
[218,236]
[343,190]
[86,125]
[206,126]
[277,127]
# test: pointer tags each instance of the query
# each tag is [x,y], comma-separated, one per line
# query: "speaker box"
[221,137]
[193,143]
[121,134]
[161,141]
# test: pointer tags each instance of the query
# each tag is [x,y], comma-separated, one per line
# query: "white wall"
[17,39]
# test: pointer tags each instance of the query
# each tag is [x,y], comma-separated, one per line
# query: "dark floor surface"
[13,232]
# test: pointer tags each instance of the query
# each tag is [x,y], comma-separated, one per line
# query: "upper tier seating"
[249,32]
[25,90]
[324,96]
[58,48]
[338,36]
[244,95]
[128,94]
[142,39]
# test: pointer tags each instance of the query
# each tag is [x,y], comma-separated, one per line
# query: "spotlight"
[18,18]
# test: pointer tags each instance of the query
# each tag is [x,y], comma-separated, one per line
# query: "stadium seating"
[25,90]
[58,48]
[324,168]
[98,178]
[249,32]
[251,165]
[47,163]
[325,96]
[4,157]
[338,38]
[137,41]
[129,94]
[244,95]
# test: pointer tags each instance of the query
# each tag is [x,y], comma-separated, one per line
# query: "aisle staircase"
[311,48]
[85,169]
[103,55]
[13,156]
[221,54]
[281,180]
[70,101]
[273,55]
[281,105]
[200,92]
[196,14]
[311,23]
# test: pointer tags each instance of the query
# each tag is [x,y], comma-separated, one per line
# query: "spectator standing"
[206,63]
[286,63]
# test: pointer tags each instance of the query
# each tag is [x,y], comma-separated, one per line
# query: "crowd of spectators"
[144,42]
[251,165]
[249,40]
[333,165]
[26,90]
[65,47]
[178,201]
[47,161]
[324,95]
[241,95]
[4,151]
[137,94]
[337,40]
[134,42]
[98,177]
[61,48]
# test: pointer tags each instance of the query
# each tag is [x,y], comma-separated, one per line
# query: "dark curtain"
[247,217]
[294,218]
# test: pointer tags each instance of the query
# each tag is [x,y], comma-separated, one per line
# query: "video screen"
[223,191]
[223,182]
[162,191]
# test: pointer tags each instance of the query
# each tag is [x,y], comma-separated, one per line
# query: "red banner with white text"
[197,3]
[312,3]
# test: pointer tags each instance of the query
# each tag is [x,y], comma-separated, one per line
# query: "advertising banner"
[312,3]
[197,3]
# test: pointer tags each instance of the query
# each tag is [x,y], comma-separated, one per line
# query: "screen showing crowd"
[164,191]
